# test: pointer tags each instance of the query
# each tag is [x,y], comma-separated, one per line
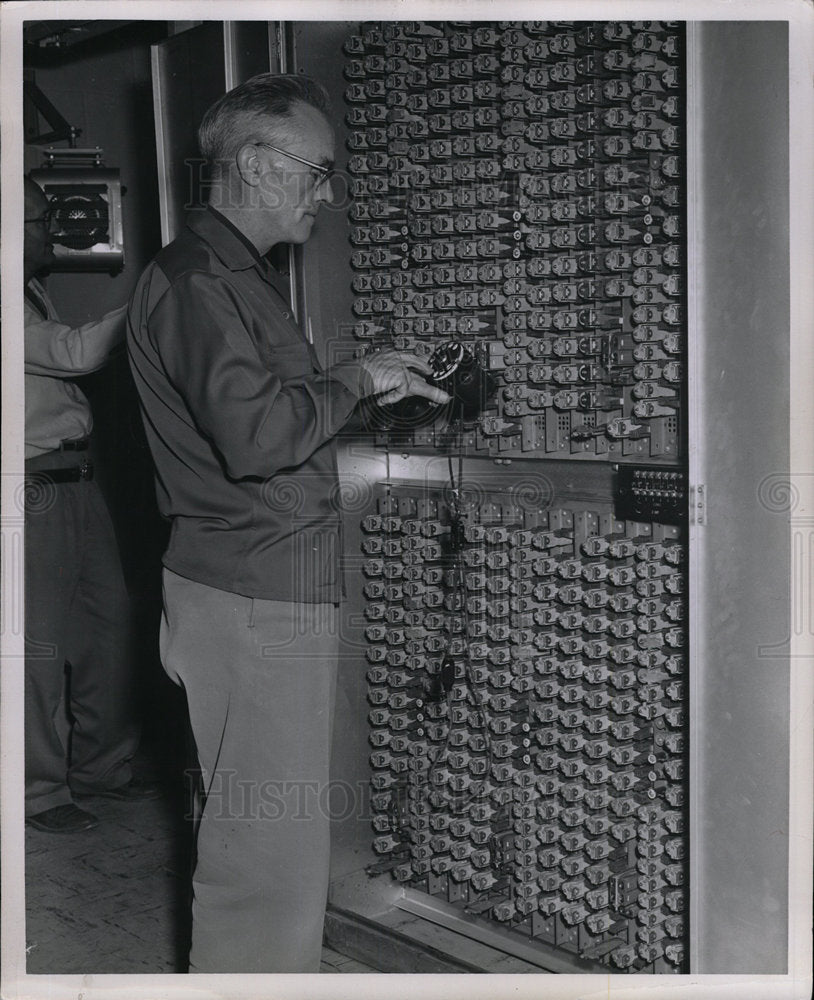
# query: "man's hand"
[396,374]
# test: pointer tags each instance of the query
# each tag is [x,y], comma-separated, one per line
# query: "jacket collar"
[232,248]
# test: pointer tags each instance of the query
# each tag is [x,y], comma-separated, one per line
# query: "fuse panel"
[519,186]
[527,706]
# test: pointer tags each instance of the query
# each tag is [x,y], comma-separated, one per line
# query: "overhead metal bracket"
[61,129]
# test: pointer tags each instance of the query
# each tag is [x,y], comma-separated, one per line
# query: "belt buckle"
[85,469]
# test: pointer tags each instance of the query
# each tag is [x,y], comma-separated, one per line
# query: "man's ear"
[248,165]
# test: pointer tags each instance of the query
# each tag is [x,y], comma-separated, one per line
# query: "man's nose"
[325,193]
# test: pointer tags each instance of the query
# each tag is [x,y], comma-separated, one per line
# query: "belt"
[74,474]
[80,445]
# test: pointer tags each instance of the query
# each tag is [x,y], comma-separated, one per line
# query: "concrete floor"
[114,899]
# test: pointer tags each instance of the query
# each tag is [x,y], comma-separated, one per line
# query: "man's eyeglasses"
[326,173]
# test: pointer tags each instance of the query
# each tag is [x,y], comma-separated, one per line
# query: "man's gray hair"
[250,109]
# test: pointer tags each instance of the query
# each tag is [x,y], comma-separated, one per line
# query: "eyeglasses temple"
[326,171]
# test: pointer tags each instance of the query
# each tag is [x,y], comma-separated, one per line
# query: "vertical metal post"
[160,147]
[696,464]
[229,80]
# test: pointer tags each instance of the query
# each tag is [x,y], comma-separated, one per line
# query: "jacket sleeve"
[55,349]
[258,420]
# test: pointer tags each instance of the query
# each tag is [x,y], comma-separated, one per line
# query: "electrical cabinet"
[519,188]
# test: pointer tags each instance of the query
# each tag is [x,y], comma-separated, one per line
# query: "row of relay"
[571,113]
[441,38]
[564,802]
[518,98]
[545,839]
[408,154]
[514,280]
[461,248]
[460,133]
[652,71]
[539,850]
[490,221]
[473,176]
[419,40]
[552,811]
[472,47]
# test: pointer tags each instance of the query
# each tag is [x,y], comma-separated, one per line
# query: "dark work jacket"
[240,419]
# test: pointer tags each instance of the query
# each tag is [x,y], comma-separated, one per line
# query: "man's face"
[38,247]
[291,191]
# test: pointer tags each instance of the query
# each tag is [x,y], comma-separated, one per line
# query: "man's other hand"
[396,374]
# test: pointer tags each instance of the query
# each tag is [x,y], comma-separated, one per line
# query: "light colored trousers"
[260,680]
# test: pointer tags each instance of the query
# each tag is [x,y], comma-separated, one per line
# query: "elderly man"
[76,602]
[240,417]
